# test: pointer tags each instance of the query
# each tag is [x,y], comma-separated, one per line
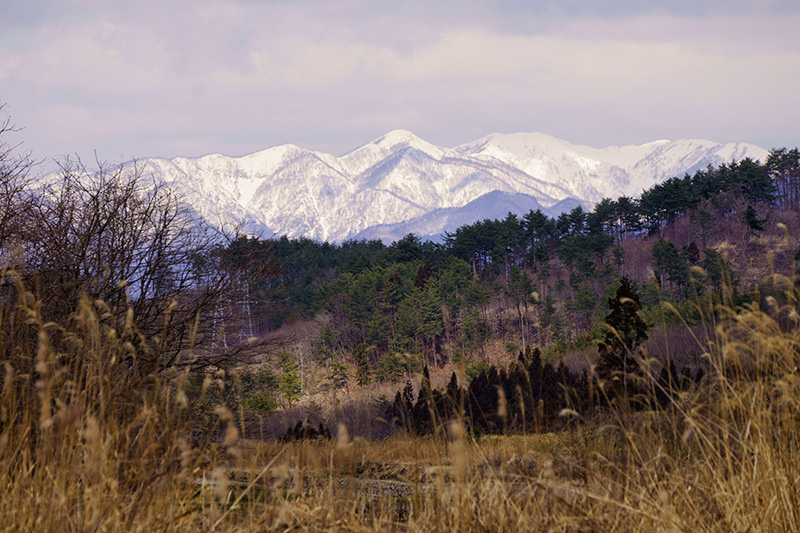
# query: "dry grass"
[87,444]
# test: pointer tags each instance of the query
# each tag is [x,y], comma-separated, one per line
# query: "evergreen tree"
[693,253]
[538,231]
[402,409]
[361,360]
[519,289]
[626,332]
[706,221]
[716,268]
[752,220]
[407,249]
[551,320]
[390,368]
[583,305]
[408,395]
[453,388]
[338,376]
[324,345]
[605,213]
[430,314]
[669,261]
[423,411]
[784,167]
[378,331]
[754,180]
[290,385]
[627,211]
[258,391]
[424,273]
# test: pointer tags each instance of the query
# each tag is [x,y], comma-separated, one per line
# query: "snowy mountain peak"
[267,161]
[400,182]
[395,137]
[397,140]
[365,157]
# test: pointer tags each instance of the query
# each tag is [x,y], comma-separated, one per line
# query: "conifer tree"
[361,359]
[626,332]
[693,253]
[453,400]
[669,260]
[290,385]
[338,376]
[752,220]
[422,413]
[706,221]
[519,289]
[408,395]
[452,387]
[784,167]
[424,273]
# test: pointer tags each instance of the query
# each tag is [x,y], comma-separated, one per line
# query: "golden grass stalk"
[87,442]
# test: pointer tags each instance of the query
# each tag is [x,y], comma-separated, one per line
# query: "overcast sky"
[169,78]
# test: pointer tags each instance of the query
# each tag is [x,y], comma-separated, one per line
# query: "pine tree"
[717,269]
[423,411]
[669,260]
[338,376]
[390,368]
[707,222]
[693,253]
[453,401]
[626,332]
[519,289]
[290,386]
[361,360]
[424,273]
[408,395]
[752,220]
[258,391]
[784,167]
[325,344]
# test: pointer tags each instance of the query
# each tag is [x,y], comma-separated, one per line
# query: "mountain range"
[400,183]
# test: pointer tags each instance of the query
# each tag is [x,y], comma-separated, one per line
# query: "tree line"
[389,310]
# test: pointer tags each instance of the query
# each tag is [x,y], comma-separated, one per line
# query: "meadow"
[91,439]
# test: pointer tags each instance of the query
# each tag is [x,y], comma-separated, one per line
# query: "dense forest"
[377,312]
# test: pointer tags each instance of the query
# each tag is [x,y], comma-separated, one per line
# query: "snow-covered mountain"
[494,205]
[400,183]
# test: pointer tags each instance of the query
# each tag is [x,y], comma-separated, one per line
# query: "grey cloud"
[154,78]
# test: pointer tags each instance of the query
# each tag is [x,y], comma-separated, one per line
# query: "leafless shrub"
[14,181]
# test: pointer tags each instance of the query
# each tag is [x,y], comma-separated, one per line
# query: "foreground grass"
[87,443]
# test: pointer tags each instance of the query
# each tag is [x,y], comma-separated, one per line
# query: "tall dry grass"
[89,443]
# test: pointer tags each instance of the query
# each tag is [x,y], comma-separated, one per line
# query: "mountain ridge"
[399,178]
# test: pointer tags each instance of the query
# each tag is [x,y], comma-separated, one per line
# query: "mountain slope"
[401,183]
[494,205]
[596,173]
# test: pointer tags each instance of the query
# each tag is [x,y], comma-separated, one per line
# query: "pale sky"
[191,77]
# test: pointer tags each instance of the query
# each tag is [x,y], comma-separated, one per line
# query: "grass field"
[87,444]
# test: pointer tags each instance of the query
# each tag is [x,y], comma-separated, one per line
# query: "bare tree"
[110,281]
[14,181]
[134,248]
[129,242]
